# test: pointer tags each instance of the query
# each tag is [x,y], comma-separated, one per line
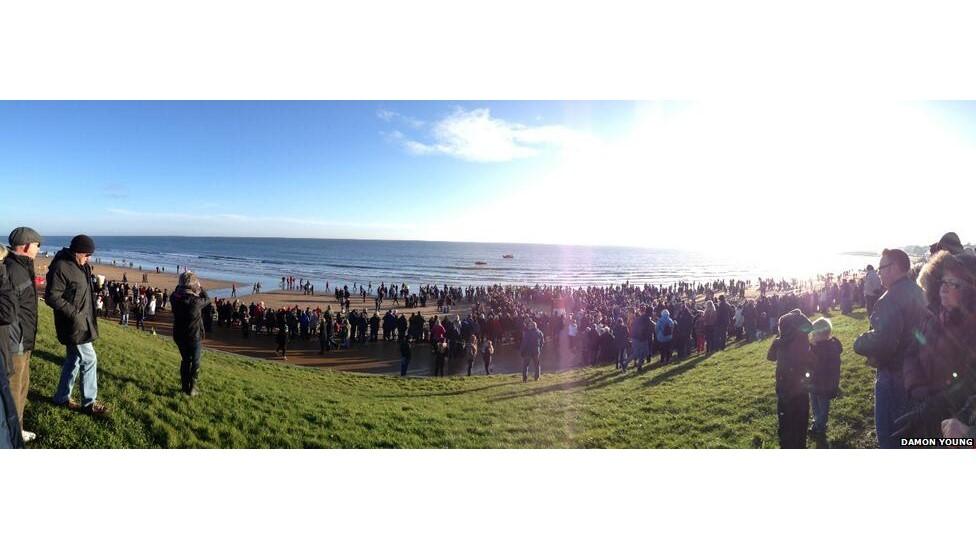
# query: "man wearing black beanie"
[71,293]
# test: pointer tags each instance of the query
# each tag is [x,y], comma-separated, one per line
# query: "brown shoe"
[96,409]
[71,404]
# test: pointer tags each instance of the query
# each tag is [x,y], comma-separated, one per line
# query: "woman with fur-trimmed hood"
[940,372]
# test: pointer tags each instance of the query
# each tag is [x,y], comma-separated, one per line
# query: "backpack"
[668,329]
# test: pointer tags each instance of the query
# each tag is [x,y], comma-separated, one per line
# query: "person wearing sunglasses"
[895,322]
[70,292]
[939,372]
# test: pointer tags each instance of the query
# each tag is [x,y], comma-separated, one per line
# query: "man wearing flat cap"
[71,293]
[24,245]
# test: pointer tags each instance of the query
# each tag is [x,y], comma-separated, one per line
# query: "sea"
[349,262]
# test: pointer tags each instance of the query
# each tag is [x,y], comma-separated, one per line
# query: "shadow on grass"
[452,393]
[858,315]
[680,368]
[565,386]
[48,356]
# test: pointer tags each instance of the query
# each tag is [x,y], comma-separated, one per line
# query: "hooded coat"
[792,354]
[825,376]
[664,323]
[188,314]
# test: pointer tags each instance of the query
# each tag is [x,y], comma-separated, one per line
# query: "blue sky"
[526,171]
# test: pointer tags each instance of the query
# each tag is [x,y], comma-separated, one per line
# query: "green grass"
[723,401]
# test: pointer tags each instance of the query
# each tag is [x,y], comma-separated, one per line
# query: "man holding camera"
[71,293]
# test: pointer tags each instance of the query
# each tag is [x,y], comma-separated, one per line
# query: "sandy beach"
[134,275]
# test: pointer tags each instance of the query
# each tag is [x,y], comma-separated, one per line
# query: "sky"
[690,175]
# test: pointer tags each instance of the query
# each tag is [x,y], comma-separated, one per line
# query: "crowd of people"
[920,339]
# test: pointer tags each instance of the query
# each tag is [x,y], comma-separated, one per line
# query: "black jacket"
[188,314]
[23,327]
[6,317]
[70,292]
[825,377]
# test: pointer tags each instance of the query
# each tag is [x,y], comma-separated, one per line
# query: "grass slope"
[726,400]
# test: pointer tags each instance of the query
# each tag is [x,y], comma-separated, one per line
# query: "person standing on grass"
[70,292]
[440,357]
[19,263]
[872,288]
[282,339]
[664,332]
[825,376]
[709,320]
[471,352]
[487,351]
[406,353]
[621,340]
[895,323]
[11,435]
[531,350]
[188,302]
[794,359]
[643,326]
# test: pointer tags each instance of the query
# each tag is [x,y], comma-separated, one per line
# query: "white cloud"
[476,136]
[392,116]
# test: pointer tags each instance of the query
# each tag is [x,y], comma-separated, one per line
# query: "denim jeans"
[622,358]
[404,364]
[890,402]
[641,350]
[78,358]
[190,364]
[821,409]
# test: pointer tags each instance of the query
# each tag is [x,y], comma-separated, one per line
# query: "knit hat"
[82,244]
[24,235]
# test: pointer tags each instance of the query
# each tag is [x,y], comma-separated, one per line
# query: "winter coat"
[188,314]
[895,322]
[825,376]
[71,293]
[662,323]
[792,354]
[7,315]
[23,326]
[642,328]
[621,337]
[532,341]
[944,355]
